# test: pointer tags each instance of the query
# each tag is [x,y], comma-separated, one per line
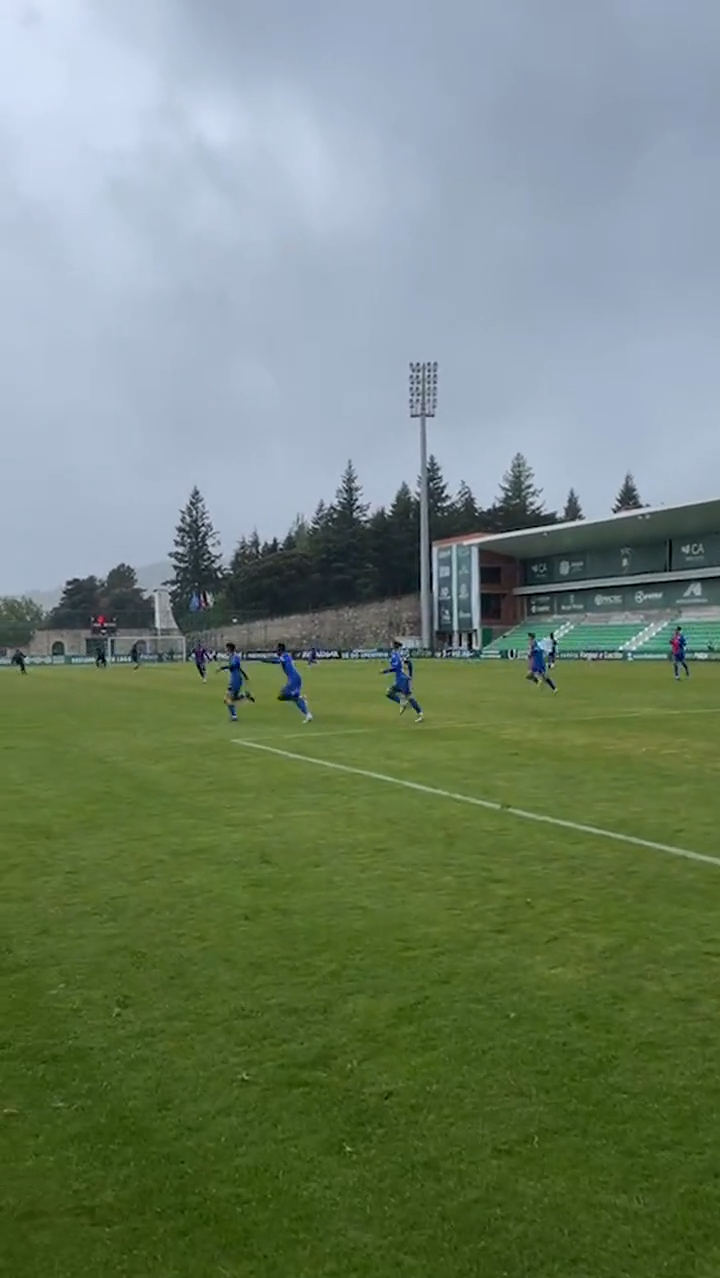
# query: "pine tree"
[399,564]
[320,520]
[297,535]
[347,558]
[195,557]
[349,509]
[379,553]
[573,509]
[628,498]
[519,503]
[464,515]
[439,500]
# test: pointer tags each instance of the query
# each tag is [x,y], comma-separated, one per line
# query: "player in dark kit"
[18,659]
[135,656]
[678,648]
[200,653]
[101,659]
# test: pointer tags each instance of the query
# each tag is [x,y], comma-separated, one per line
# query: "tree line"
[347,553]
[344,554]
[117,595]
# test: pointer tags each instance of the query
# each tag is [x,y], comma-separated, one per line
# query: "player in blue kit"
[237,678]
[409,671]
[401,691]
[293,681]
[537,672]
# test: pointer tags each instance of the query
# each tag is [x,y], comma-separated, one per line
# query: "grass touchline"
[489,805]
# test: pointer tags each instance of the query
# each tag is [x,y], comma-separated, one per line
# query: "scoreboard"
[102,625]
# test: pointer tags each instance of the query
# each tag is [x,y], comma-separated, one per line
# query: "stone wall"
[365,626]
[46,643]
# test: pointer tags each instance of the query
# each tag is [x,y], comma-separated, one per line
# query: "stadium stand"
[631,636]
[517,638]
[702,636]
[615,585]
[591,636]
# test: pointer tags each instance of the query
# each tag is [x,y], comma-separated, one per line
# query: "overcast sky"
[227,227]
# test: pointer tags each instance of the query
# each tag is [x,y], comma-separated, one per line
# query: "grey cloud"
[227,228]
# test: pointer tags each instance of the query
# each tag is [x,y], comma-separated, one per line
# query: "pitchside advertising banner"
[665,595]
[326,654]
[149,659]
[445,591]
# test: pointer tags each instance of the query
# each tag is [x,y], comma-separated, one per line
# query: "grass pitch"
[263,1020]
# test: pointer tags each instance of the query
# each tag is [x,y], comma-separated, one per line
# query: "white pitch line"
[362,732]
[487,804]
[647,712]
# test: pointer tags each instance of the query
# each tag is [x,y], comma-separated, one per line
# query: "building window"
[491,607]
[491,575]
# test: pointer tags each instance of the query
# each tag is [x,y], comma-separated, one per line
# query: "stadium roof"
[632,527]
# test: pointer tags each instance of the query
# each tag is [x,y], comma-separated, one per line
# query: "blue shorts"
[401,686]
[538,668]
[235,691]
[291,691]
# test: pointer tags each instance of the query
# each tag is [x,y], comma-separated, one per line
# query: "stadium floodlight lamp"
[423,389]
[423,404]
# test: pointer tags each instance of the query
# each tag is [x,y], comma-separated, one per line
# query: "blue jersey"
[537,658]
[235,672]
[397,669]
[290,670]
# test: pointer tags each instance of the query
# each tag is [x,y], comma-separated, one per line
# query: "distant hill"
[149,578]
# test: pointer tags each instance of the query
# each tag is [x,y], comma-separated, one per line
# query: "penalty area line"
[488,805]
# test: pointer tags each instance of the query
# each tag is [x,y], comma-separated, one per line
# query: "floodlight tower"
[423,404]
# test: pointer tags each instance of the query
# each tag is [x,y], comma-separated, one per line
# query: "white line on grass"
[488,804]
[647,712]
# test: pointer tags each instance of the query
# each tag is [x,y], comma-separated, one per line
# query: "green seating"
[517,638]
[702,636]
[611,636]
[608,636]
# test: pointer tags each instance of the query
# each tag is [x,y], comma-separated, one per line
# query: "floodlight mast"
[423,404]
